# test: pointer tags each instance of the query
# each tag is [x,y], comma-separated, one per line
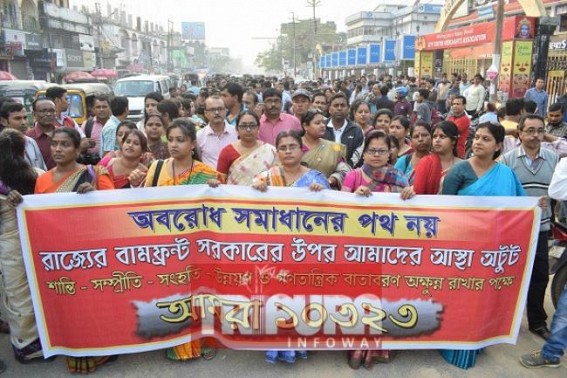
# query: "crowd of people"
[365,135]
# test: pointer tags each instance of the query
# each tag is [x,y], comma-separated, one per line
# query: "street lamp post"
[294,46]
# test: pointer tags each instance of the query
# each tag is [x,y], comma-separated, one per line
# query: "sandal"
[208,353]
[86,365]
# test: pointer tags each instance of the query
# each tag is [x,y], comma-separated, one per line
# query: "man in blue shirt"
[539,96]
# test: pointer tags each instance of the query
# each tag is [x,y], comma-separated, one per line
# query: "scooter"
[559,266]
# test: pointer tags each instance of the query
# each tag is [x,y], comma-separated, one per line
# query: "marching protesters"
[420,134]
[432,169]
[181,169]
[133,147]
[291,173]
[243,159]
[534,167]
[320,154]
[555,345]
[342,130]
[480,175]
[70,176]
[274,121]
[17,178]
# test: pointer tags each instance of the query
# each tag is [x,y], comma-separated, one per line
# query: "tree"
[271,60]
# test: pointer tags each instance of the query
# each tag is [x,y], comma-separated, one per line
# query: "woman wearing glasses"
[376,174]
[327,157]
[242,160]
[290,173]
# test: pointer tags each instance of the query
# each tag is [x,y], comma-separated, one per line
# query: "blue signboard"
[335,59]
[374,53]
[408,47]
[322,61]
[361,56]
[328,61]
[389,50]
[351,59]
[342,58]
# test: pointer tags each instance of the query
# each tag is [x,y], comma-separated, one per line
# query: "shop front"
[557,67]
[469,50]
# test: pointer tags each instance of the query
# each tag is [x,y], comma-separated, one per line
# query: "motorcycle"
[559,266]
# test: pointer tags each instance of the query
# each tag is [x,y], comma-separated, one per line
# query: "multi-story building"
[383,39]
[21,48]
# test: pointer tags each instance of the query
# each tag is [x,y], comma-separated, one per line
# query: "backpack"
[89,127]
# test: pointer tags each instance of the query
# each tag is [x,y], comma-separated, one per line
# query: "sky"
[239,25]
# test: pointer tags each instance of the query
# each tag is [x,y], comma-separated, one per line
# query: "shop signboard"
[33,42]
[427,64]
[342,58]
[417,64]
[361,56]
[322,62]
[328,61]
[408,47]
[351,58]
[506,67]
[522,68]
[514,28]
[335,59]
[74,58]
[374,53]
[389,50]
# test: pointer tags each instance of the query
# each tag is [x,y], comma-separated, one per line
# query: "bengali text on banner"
[135,270]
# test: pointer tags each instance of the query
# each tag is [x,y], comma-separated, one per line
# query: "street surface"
[496,362]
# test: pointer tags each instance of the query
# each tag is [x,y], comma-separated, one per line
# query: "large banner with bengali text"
[127,271]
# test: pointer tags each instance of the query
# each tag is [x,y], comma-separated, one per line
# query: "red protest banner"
[129,271]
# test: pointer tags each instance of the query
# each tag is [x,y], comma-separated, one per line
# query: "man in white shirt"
[217,134]
[475,96]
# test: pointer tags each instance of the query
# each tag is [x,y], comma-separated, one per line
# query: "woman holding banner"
[70,176]
[291,173]
[181,169]
[17,178]
[242,160]
[375,176]
[420,134]
[480,175]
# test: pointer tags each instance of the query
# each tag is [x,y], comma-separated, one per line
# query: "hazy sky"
[235,23]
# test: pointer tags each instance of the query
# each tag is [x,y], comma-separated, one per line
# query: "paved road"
[496,362]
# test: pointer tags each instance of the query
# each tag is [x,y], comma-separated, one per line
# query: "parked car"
[137,87]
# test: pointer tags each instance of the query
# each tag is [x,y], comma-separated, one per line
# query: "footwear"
[542,332]
[2,367]
[535,360]
[287,356]
[301,354]
[271,356]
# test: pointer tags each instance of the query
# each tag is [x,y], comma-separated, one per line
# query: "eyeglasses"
[534,131]
[46,111]
[248,126]
[215,110]
[291,148]
[377,151]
